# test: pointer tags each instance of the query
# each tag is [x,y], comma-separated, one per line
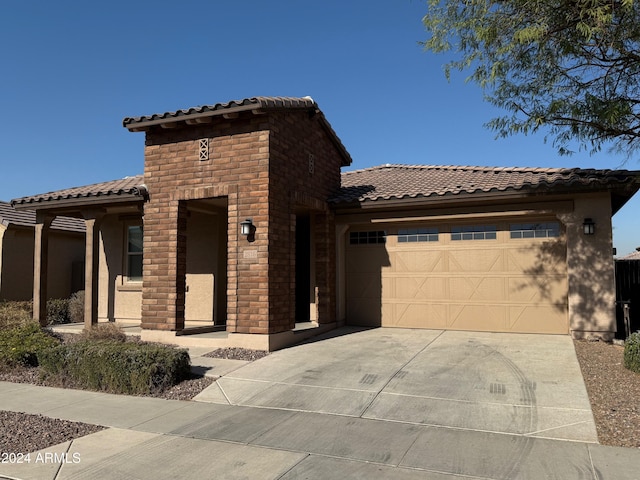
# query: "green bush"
[632,352]
[13,314]
[117,367]
[58,311]
[76,307]
[23,345]
[104,331]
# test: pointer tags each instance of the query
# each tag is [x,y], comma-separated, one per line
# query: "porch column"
[40,266]
[92,221]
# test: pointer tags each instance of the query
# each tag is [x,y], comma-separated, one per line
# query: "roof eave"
[134,125]
[89,201]
[408,201]
[168,120]
[622,194]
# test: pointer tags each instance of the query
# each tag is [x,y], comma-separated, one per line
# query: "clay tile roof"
[27,218]
[146,122]
[253,103]
[632,256]
[128,186]
[411,181]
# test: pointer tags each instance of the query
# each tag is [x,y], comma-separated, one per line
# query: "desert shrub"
[23,345]
[13,313]
[76,307]
[632,352]
[58,311]
[117,367]
[104,331]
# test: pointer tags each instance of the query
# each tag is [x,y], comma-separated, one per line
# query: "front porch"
[212,340]
[227,240]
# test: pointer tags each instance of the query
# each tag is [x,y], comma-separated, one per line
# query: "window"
[417,235]
[535,230]
[474,232]
[367,238]
[134,253]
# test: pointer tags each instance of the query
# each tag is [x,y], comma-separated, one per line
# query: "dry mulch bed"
[235,353]
[614,393]
[24,433]
[613,390]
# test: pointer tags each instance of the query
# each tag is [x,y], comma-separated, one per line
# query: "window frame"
[367,237]
[550,227]
[418,235]
[127,254]
[465,233]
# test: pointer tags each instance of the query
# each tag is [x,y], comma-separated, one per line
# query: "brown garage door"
[508,277]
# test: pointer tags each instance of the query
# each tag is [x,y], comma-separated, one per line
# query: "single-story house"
[66,243]
[632,256]
[243,222]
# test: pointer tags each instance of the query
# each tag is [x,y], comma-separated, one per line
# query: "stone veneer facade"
[261,164]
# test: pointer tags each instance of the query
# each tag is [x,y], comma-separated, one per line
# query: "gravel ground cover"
[23,433]
[234,353]
[614,393]
[613,390]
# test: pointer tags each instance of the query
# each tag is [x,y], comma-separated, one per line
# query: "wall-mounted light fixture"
[246,227]
[588,226]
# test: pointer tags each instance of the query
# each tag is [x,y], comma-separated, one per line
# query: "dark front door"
[303,267]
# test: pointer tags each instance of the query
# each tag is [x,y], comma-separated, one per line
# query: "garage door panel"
[501,285]
[416,261]
[414,315]
[364,285]
[416,288]
[423,316]
[539,319]
[367,259]
[478,317]
[476,260]
[538,289]
[537,258]
[476,288]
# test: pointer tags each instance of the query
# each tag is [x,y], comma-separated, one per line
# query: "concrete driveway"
[528,385]
[384,404]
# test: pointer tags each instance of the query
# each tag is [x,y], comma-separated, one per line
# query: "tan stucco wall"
[17,263]
[121,300]
[118,300]
[590,266]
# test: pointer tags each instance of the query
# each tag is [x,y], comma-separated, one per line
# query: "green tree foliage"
[571,66]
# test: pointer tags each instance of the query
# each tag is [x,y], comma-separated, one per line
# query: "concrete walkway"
[397,404]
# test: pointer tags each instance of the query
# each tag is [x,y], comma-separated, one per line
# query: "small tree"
[572,66]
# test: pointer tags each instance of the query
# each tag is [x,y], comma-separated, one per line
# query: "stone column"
[40,266]
[92,220]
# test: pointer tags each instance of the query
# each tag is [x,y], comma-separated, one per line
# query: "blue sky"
[72,70]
